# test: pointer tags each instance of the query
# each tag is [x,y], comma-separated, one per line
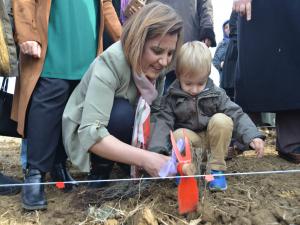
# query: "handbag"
[8,127]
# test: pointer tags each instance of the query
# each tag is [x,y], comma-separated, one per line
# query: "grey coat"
[7,32]
[197,16]
[181,110]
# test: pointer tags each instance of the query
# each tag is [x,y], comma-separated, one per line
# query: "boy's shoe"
[219,183]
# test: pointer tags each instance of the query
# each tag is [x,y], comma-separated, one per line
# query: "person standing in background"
[230,59]
[219,57]
[57,44]
[269,65]
[229,71]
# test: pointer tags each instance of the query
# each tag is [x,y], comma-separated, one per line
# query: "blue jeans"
[23,154]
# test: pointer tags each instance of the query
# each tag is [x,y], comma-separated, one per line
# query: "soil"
[250,199]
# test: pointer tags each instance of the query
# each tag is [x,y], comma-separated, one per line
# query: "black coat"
[268,70]
[228,75]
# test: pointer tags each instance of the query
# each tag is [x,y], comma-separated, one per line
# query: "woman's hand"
[31,48]
[258,145]
[153,162]
[243,7]
[113,149]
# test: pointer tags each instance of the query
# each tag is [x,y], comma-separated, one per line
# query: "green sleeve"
[98,104]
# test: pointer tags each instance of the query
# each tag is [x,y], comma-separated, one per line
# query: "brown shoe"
[233,151]
[291,156]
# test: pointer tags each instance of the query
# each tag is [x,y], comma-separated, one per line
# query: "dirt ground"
[250,200]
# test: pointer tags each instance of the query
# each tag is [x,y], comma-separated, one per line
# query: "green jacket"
[181,110]
[87,112]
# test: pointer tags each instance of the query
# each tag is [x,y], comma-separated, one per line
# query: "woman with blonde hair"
[104,112]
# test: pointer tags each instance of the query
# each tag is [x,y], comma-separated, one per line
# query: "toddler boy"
[204,110]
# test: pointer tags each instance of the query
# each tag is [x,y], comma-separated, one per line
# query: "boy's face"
[226,29]
[193,84]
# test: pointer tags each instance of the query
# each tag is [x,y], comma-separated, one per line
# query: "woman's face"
[157,54]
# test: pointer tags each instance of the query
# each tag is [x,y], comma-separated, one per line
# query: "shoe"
[293,156]
[9,190]
[101,171]
[233,151]
[59,173]
[33,196]
[219,183]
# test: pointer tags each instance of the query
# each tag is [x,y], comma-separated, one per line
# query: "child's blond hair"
[194,58]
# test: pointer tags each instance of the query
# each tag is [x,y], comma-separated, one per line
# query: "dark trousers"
[44,123]
[120,125]
[288,130]
[230,93]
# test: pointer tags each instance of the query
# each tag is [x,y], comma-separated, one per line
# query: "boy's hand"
[258,145]
[189,169]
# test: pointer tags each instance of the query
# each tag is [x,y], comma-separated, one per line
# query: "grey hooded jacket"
[178,109]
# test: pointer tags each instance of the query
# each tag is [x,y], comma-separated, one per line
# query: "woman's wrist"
[141,157]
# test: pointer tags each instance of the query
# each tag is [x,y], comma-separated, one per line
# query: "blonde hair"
[154,19]
[193,58]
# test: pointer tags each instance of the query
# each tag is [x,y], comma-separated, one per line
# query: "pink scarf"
[146,88]
[141,128]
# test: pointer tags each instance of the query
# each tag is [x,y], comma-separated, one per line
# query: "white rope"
[156,178]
